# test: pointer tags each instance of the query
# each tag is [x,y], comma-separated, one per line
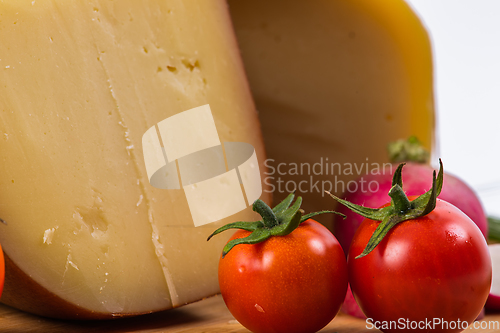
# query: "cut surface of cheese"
[334,82]
[80,83]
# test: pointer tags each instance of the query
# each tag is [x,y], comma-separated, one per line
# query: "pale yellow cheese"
[80,83]
[334,81]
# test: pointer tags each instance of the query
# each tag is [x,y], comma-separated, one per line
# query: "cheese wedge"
[334,82]
[87,236]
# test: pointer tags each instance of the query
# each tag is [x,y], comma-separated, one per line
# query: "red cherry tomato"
[292,283]
[434,268]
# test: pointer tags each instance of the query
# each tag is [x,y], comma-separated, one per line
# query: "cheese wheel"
[334,82]
[87,235]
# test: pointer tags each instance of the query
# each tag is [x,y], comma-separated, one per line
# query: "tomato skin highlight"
[435,266]
[292,283]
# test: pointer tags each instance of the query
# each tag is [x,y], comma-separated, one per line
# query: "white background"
[465,36]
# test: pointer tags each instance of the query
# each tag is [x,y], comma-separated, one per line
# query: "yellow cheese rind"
[80,83]
[334,82]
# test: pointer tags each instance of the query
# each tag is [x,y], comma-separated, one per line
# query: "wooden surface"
[207,316]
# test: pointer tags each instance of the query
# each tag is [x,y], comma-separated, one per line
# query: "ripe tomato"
[428,272]
[292,283]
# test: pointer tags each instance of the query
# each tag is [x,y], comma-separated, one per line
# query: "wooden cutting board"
[208,316]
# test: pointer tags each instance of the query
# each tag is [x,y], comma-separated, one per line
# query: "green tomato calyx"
[401,209]
[279,221]
[410,150]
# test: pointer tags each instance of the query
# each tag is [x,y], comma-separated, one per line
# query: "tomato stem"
[400,209]
[399,200]
[266,212]
[279,221]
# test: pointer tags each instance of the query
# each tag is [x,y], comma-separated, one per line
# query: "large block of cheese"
[87,236]
[334,81]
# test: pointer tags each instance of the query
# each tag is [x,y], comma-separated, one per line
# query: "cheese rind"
[80,83]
